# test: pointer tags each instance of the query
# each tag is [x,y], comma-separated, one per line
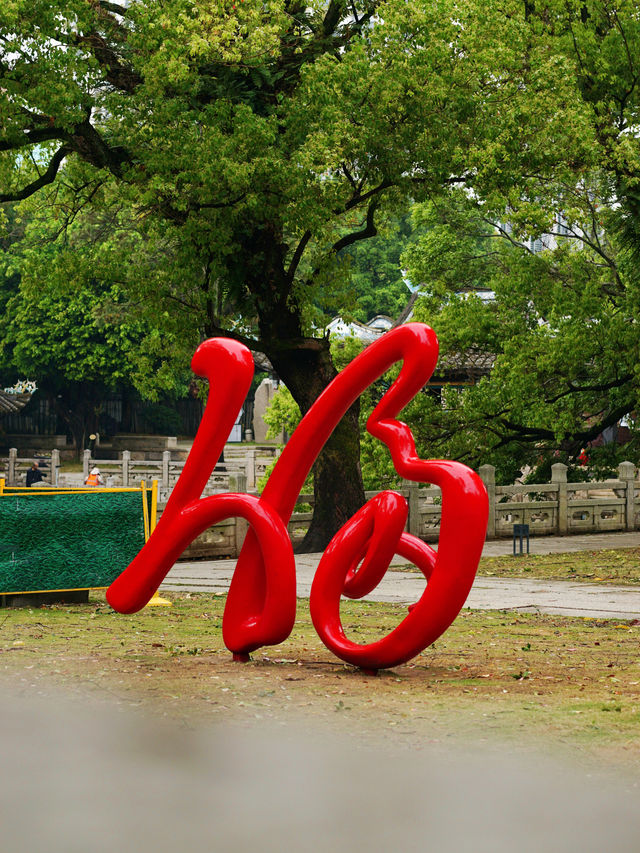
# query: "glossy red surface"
[260,608]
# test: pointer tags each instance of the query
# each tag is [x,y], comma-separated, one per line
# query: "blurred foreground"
[79,778]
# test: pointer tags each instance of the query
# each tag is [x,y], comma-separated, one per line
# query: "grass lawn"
[621,566]
[528,681]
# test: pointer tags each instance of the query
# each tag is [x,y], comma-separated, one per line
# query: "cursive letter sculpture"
[261,604]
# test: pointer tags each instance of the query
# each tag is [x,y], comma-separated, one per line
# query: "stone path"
[559,597]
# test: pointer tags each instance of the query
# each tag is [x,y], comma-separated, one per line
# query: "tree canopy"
[70,318]
[559,251]
[374,277]
[263,140]
[242,148]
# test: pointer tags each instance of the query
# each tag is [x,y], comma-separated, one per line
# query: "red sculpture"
[261,603]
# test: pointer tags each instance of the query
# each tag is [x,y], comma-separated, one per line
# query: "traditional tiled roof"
[11,403]
[362,331]
[463,367]
[470,364]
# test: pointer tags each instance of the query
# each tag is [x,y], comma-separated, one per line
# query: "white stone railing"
[240,471]
[13,469]
[555,508]
[562,508]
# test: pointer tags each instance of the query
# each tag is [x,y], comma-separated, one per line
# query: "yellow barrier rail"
[149,514]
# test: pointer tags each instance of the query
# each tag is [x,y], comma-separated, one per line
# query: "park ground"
[556,684]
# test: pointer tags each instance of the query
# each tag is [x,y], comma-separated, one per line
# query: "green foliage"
[562,325]
[233,158]
[70,321]
[228,124]
[558,327]
[374,279]
[282,414]
[72,318]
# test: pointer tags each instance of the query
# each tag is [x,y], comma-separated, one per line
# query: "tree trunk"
[338,489]
[306,367]
[78,408]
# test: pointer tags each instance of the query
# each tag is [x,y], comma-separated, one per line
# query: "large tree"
[68,320]
[560,251]
[558,322]
[265,139]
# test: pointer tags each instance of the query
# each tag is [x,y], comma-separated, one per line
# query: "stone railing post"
[413,522]
[559,476]
[166,458]
[237,482]
[251,469]
[13,459]
[241,529]
[126,458]
[86,462]
[487,474]
[55,466]
[627,473]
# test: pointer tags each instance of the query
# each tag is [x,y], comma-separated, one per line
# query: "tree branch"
[313,344]
[369,230]
[118,75]
[519,432]
[406,311]
[334,13]
[357,199]
[114,8]
[215,205]
[604,386]
[297,256]
[35,136]
[46,178]
[90,145]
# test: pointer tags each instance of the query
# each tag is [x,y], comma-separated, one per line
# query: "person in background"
[94,478]
[33,474]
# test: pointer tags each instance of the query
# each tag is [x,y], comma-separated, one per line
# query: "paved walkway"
[559,597]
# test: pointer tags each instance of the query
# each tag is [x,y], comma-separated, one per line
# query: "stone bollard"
[126,458]
[11,474]
[55,466]
[627,473]
[559,477]
[251,469]
[414,508]
[166,459]
[86,464]
[487,474]
[237,482]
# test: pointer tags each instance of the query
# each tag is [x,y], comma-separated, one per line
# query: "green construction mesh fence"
[68,541]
